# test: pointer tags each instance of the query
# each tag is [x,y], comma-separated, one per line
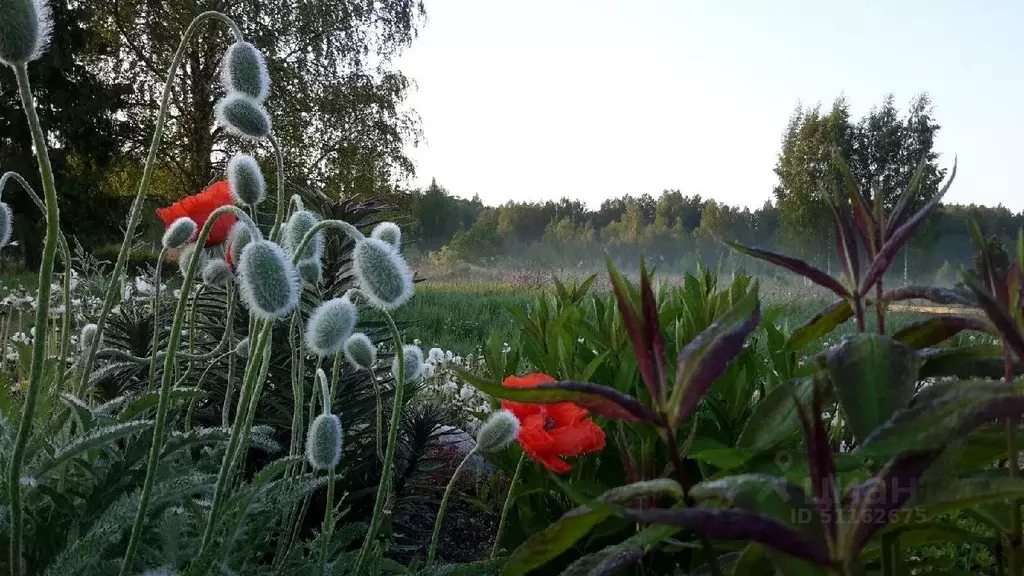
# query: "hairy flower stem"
[174,339]
[199,385]
[380,414]
[135,212]
[156,318]
[42,312]
[444,503]
[275,232]
[328,526]
[507,506]
[229,386]
[389,454]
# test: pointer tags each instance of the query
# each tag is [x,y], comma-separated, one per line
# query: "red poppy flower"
[548,432]
[199,207]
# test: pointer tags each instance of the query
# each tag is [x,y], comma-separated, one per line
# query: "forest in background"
[348,130]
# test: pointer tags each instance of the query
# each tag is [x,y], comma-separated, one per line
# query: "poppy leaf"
[795,265]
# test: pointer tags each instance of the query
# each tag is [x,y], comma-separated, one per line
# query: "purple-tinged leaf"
[980,361]
[631,320]
[652,335]
[617,562]
[600,400]
[846,244]
[1015,294]
[934,294]
[861,214]
[883,260]
[911,192]
[938,329]
[876,502]
[795,265]
[998,315]
[981,247]
[819,458]
[734,524]
[823,323]
[708,355]
[628,464]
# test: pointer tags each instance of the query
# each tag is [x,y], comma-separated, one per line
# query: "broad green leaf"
[938,329]
[646,538]
[823,323]
[873,377]
[979,361]
[775,417]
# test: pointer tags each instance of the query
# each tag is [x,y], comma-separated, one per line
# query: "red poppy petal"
[565,413]
[553,462]
[577,439]
[528,381]
[520,409]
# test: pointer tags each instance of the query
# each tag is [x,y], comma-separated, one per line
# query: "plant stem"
[42,312]
[444,503]
[156,317]
[199,384]
[328,526]
[858,311]
[389,454]
[1013,550]
[147,174]
[174,339]
[879,307]
[229,386]
[279,217]
[684,481]
[380,414]
[508,505]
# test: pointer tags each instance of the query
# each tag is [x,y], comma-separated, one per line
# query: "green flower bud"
[388,232]
[185,257]
[242,348]
[301,222]
[6,222]
[217,272]
[25,27]
[323,442]
[179,233]
[413,362]
[360,352]
[245,70]
[243,116]
[384,277]
[267,280]
[311,271]
[329,325]
[498,432]
[245,180]
[87,336]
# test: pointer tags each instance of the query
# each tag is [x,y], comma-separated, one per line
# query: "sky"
[592,99]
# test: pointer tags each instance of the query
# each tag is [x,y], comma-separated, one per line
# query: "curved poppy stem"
[389,454]
[174,340]
[42,312]
[349,229]
[444,503]
[275,232]
[507,506]
[156,317]
[135,212]
[199,384]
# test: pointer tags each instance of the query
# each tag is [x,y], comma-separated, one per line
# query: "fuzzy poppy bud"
[323,442]
[329,326]
[360,352]
[217,272]
[311,271]
[185,257]
[180,232]
[6,223]
[388,232]
[245,180]
[243,116]
[87,336]
[301,222]
[384,277]
[25,27]
[267,280]
[242,348]
[245,70]
[239,236]
[413,362]
[498,432]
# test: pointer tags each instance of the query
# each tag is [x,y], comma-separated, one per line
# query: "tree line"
[883,149]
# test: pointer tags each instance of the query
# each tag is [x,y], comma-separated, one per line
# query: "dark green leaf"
[775,417]
[935,330]
[825,322]
[794,265]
